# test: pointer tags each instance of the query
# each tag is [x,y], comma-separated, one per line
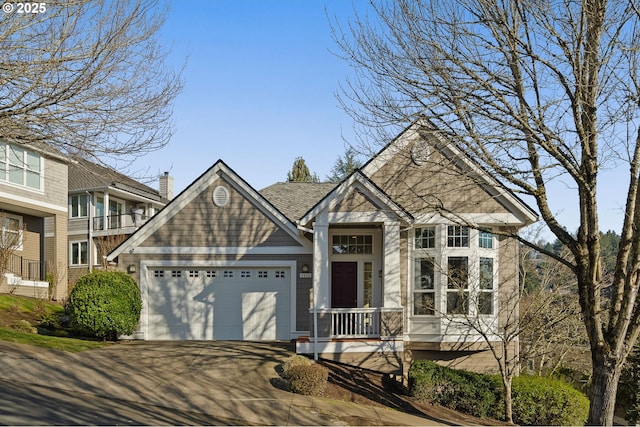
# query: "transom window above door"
[352,244]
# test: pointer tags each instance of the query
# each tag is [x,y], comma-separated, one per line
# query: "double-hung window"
[79,206]
[79,253]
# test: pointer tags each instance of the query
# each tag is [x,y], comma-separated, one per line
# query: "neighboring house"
[373,271]
[105,207]
[33,189]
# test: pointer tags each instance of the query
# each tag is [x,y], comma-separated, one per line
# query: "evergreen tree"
[300,172]
[344,166]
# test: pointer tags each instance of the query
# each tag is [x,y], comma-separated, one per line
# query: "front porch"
[367,337]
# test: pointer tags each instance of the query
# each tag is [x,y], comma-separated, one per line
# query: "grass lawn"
[59,343]
[21,316]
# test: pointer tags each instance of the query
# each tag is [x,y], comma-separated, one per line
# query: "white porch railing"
[355,322]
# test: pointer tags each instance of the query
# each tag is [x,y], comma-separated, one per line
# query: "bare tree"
[106,244]
[536,93]
[551,312]
[87,77]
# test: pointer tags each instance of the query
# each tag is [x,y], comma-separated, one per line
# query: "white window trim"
[4,159]
[20,245]
[71,206]
[440,255]
[71,260]
[375,258]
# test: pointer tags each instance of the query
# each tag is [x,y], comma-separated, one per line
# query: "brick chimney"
[166,186]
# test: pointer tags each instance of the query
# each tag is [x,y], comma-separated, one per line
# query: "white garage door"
[219,303]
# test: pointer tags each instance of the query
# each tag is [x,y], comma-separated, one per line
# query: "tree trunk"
[604,385]
[508,402]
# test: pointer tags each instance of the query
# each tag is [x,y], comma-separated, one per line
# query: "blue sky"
[260,84]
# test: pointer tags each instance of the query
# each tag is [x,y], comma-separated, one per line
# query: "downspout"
[315,307]
[90,239]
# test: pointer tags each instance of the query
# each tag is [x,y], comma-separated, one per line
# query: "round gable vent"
[220,196]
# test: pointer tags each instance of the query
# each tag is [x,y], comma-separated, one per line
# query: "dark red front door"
[344,284]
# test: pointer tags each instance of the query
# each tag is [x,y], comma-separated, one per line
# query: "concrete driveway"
[233,381]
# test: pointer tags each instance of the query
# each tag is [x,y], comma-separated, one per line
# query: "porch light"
[131,268]
[305,273]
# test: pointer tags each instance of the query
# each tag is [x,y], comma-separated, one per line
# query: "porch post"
[320,265]
[320,273]
[391,284]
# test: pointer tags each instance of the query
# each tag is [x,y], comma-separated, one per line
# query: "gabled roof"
[218,170]
[357,181]
[496,188]
[86,175]
[294,199]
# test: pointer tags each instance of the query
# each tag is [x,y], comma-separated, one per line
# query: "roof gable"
[448,181]
[357,182]
[199,191]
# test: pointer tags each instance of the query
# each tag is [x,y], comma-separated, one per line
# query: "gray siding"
[203,224]
[438,182]
[55,186]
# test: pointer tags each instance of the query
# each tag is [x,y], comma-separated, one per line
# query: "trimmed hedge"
[310,380]
[547,401]
[536,400]
[295,360]
[105,304]
[475,394]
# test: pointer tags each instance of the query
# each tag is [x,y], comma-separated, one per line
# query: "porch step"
[13,280]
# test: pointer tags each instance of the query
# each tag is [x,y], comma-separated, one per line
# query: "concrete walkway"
[229,380]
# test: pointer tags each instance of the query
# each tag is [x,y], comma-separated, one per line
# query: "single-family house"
[376,270]
[33,190]
[105,207]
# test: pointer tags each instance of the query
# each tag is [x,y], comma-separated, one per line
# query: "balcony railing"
[118,222]
[355,322]
[27,269]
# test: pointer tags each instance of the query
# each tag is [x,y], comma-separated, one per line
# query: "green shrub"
[105,304]
[475,394]
[547,401]
[310,379]
[50,320]
[535,400]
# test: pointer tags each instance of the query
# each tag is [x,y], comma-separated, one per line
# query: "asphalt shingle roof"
[84,175]
[294,199]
